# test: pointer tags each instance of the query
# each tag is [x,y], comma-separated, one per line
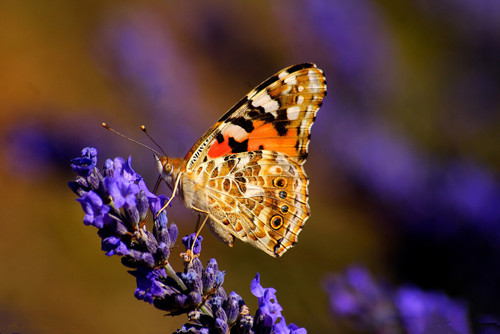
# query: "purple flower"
[268,304]
[149,285]
[114,246]
[84,165]
[282,328]
[96,211]
[195,291]
[188,242]
[121,191]
[269,313]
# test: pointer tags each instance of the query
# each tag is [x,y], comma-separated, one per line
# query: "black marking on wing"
[246,124]
[282,123]
[237,147]
[219,138]
[299,67]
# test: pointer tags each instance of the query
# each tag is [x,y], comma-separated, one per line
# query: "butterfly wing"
[246,171]
[260,197]
[277,116]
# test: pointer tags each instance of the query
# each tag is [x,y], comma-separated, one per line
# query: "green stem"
[171,273]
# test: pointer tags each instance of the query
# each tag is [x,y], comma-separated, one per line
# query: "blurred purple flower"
[431,312]
[356,49]
[138,49]
[369,305]
[356,296]
[35,148]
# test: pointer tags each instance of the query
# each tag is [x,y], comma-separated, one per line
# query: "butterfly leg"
[173,195]
[198,232]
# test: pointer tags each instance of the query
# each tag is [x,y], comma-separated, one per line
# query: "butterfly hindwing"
[260,197]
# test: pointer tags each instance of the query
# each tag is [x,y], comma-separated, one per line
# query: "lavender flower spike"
[117,202]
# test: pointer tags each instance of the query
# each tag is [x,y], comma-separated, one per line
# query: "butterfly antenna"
[143,128]
[104,125]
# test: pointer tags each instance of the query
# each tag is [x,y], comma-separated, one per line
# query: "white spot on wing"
[283,74]
[236,131]
[244,160]
[292,113]
[265,101]
[300,99]
[254,190]
[291,80]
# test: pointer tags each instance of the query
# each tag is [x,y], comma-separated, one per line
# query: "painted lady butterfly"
[245,174]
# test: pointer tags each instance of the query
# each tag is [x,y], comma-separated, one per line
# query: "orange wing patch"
[265,137]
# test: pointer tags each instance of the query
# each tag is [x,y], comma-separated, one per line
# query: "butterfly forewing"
[276,116]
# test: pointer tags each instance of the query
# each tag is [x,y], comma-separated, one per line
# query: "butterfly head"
[169,168]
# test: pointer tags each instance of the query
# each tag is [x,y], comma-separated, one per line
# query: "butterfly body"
[246,173]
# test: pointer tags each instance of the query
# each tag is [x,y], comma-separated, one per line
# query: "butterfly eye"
[168,168]
[276,222]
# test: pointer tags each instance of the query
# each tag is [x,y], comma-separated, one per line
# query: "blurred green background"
[425,76]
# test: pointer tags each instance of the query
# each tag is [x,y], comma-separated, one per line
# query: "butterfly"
[246,174]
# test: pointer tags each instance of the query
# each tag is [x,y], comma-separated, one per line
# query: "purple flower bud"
[172,231]
[142,205]
[221,326]
[192,281]
[136,259]
[188,241]
[208,277]
[84,165]
[232,307]
[246,324]
[180,300]
[95,180]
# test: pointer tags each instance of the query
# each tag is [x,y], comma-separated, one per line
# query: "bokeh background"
[404,160]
